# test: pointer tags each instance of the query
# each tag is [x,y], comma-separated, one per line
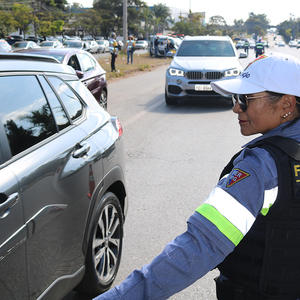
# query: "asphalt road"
[174,156]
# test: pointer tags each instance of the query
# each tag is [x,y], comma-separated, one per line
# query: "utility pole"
[124,23]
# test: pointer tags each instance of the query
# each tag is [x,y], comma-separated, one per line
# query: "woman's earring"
[287,114]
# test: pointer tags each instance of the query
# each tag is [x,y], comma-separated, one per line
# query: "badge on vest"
[235,176]
[296,182]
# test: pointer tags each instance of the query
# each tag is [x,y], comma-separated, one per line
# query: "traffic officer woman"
[113,49]
[249,225]
[130,49]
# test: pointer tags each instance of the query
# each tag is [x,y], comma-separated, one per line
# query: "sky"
[276,11]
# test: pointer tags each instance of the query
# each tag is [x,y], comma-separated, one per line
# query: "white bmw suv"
[198,61]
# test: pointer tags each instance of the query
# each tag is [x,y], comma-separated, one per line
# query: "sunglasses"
[243,99]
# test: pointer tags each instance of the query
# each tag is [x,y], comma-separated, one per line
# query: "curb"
[137,70]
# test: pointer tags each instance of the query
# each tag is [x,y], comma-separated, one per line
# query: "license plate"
[203,87]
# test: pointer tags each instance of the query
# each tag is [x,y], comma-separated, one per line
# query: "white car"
[293,44]
[51,44]
[103,46]
[94,46]
[198,61]
[141,44]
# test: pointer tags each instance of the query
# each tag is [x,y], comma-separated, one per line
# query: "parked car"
[140,44]
[79,45]
[94,46]
[281,44]
[63,194]
[293,44]
[24,45]
[34,39]
[88,69]
[162,41]
[51,44]
[198,61]
[11,39]
[298,44]
[266,44]
[103,46]
[88,38]
[240,45]
[4,46]
[252,45]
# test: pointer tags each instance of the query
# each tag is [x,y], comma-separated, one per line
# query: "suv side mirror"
[243,55]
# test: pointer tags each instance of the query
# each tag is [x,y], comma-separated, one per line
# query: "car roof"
[12,62]
[207,38]
[48,51]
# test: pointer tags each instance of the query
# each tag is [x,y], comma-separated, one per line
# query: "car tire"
[103,100]
[104,247]
[170,101]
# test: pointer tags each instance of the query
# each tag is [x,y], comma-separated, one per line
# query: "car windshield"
[75,45]
[19,45]
[47,44]
[100,42]
[205,48]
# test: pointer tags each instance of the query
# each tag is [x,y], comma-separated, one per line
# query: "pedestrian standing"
[156,43]
[130,49]
[249,225]
[246,46]
[113,49]
[167,47]
[259,48]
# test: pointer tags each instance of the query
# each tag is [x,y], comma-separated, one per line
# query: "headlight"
[176,72]
[233,72]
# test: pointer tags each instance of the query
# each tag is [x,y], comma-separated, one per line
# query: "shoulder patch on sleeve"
[235,176]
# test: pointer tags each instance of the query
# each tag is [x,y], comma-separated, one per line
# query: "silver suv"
[62,192]
[198,61]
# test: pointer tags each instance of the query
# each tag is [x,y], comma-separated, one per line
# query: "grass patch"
[141,62]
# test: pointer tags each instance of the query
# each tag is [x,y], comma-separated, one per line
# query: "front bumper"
[192,85]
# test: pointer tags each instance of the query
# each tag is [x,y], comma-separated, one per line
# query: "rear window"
[205,48]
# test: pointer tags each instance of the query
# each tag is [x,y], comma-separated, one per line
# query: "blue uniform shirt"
[214,230]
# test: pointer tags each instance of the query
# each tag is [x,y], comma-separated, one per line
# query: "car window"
[24,112]
[70,101]
[73,62]
[87,62]
[205,48]
[59,114]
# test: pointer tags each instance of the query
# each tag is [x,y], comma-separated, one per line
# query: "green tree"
[23,16]
[111,13]
[217,21]
[60,4]
[7,23]
[257,24]
[147,16]
[238,26]
[161,13]
[90,21]
[190,25]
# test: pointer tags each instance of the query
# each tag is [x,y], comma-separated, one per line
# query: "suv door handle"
[8,204]
[84,148]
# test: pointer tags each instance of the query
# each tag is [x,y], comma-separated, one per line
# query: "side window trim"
[61,101]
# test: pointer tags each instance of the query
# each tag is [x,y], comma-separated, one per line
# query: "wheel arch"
[114,181]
